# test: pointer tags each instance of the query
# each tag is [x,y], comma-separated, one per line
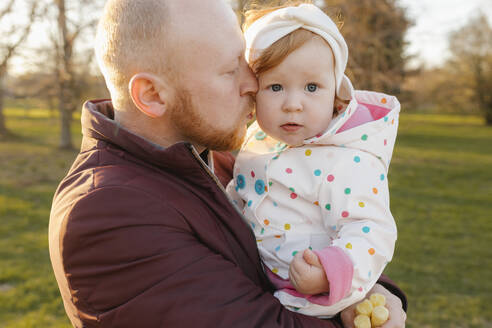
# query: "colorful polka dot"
[348,246]
[371,251]
[381,177]
[292,189]
[316,203]
[345,214]
[252,174]
[347,191]
[250,202]
[364,137]
[360,289]
[260,135]
[293,195]
[308,152]
[240,181]
[259,187]
[275,270]
[328,207]
[262,231]
[330,178]
[294,253]
[270,183]
[277,248]
[385,142]
[276,157]
[287,226]
[317,173]
[384,101]
[278,236]
[280,146]
[334,227]
[253,225]
[275,204]
[361,204]
[366,229]
[288,170]
[266,222]
[357,159]
[375,191]
[386,119]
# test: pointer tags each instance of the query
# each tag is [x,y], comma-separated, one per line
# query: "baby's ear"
[339,107]
[149,94]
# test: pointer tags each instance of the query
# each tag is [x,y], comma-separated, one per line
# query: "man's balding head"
[132,37]
[176,70]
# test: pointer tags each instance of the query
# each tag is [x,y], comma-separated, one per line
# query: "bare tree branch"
[7,9]
[23,36]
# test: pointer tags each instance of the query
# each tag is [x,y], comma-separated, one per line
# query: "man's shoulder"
[96,178]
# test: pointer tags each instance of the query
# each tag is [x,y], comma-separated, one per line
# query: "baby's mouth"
[291,127]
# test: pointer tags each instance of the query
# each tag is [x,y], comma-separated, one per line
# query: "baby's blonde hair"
[131,38]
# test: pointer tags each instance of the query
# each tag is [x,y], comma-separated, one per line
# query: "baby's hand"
[307,274]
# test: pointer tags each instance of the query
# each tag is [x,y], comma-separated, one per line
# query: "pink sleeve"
[339,272]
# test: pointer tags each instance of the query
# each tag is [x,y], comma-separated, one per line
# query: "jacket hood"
[369,123]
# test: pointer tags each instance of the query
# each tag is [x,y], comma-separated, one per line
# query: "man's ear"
[150,94]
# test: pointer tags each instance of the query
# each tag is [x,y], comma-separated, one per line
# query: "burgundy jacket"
[144,236]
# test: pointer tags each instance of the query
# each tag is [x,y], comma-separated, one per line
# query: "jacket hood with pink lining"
[369,123]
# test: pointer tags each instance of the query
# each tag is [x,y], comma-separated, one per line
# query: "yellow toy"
[371,312]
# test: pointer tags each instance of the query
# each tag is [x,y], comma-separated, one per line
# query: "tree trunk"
[3,128]
[65,132]
[488,114]
[65,78]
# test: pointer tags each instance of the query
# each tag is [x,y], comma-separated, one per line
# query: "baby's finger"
[311,258]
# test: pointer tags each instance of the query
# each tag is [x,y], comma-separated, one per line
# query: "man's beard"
[193,128]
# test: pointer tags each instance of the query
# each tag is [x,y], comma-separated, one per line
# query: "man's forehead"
[199,12]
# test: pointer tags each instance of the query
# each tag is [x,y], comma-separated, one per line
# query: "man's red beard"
[191,125]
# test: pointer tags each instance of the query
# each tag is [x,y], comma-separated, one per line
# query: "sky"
[433,22]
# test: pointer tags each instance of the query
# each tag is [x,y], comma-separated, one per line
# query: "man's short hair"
[131,38]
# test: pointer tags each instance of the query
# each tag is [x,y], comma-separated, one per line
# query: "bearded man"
[141,231]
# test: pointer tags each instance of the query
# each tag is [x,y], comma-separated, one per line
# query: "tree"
[74,19]
[471,63]
[11,40]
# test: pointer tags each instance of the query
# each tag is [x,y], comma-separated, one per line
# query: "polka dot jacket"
[329,195]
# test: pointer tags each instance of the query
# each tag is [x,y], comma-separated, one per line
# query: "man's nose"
[249,83]
[292,103]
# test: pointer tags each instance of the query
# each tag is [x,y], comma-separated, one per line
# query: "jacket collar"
[98,123]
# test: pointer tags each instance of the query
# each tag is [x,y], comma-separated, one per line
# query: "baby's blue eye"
[311,87]
[276,87]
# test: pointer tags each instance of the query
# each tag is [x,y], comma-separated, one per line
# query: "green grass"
[441,197]
[30,169]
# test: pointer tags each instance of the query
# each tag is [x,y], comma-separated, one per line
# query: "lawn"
[441,197]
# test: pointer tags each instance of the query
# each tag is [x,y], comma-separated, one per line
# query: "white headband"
[272,27]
